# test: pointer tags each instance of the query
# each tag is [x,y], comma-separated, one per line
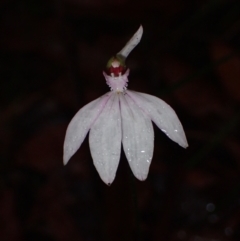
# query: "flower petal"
[132,43]
[162,115]
[80,125]
[138,137]
[105,140]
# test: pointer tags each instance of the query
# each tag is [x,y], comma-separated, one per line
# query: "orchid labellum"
[122,116]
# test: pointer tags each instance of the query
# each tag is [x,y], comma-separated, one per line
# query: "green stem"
[135,206]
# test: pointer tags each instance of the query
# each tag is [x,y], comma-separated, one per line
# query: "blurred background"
[52,53]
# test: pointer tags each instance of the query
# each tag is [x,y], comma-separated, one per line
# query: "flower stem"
[134,196]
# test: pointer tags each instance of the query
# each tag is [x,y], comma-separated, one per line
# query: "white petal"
[162,115]
[132,43]
[80,125]
[105,140]
[138,137]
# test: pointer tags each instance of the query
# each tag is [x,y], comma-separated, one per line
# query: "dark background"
[52,54]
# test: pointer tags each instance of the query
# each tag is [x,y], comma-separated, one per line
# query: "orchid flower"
[122,116]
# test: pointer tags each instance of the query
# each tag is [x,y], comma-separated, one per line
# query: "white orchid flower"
[122,116]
